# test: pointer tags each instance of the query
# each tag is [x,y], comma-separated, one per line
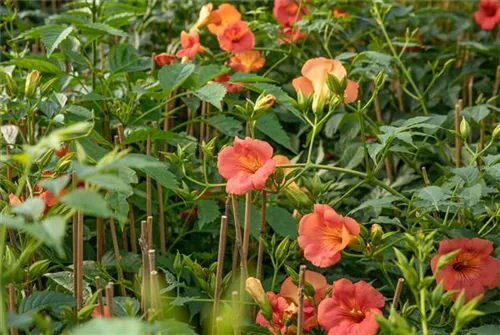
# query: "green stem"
[313,135]
[3,308]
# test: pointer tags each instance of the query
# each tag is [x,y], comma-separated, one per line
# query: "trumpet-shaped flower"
[226,14]
[248,61]
[190,43]
[351,310]
[314,80]
[280,309]
[471,270]
[323,234]
[290,34]
[246,165]
[488,14]
[287,12]
[207,16]
[164,59]
[236,37]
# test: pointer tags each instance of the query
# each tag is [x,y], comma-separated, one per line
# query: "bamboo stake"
[101,55]
[54,6]
[124,230]
[262,235]
[100,239]
[118,257]
[246,241]
[12,305]
[99,295]
[79,262]
[149,221]
[397,294]
[236,317]
[149,205]
[378,115]
[145,264]
[399,94]
[154,291]
[110,298]
[470,87]
[458,141]
[12,234]
[220,268]
[496,86]
[167,122]
[161,220]
[244,271]
[300,316]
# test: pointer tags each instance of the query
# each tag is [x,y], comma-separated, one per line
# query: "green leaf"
[119,326]
[270,126]
[41,300]
[278,93]
[212,93]
[119,204]
[124,58]
[53,37]
[36,63]
[469,174]
[209,72]
[172,327]
[89,202]
[208,211]
[434,195]
[174,75]
[377,204]
[181,301]
[55,185]
[19,321]
[101,29]
[109,182]
[242,77]
[484,330]
[156,134]
[226,124]
[65,280]
[120,306]
[32,207]
[282,222]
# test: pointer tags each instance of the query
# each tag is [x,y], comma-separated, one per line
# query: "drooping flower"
[340,13]
[288,12]
[207,16]
[281,310]
[236,37]
[246,165]
[248,61]
[351,310]
[471,270]
[290,34]
[104,313]
[164,59]
[190,43]
[226,14]
[488,14]
[314,78]
[323,234]
[230,87]
[290,291]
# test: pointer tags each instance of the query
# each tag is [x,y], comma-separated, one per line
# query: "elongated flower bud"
[32,82]
[255,289]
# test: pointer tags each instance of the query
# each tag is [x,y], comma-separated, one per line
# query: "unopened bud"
[464,128]
[11,85]
[357,243]
[264,102]
[336,85]
[32,82]
[376,233]
[303,101]
[254,287]
[318,104]
[496,131]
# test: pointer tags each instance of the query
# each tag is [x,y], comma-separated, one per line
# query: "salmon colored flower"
[164,59]
[488,14]
[63,151]
[287,12]
[236,37]
[280,308]
[226,14]
[471,270]
[314,76]
[246,165]
[290,34]
[351,310]
[230,87]
[340,13]
[323,234]
[248,61]
[14,200]
[104,313]
[290,291]
[207,16]
[190,43]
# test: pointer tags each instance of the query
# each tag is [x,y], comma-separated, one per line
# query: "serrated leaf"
[102,29]
[173,76]
[270,126]
[226,124]
[36,63]
[55,185]
[119,306]
[117,326]
[124,58]
[40,300]
[469,174]
[212,93]
[156,134]
[242,77]
[209,72]
[208,211]
[89,202]
[278,93]
[181,301]
[434,195]
[282,222]
[109,182]
[32,207]
[53,37]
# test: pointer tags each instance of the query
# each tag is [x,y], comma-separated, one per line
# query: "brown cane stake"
[236,316]
[161,220]
[79,262]
[12,305]
[399,94]
[428,183]
[220,268]
[262,235]
[149,221]
[167,121]
[246,240]
[378,115]
[99,295]
[496,86]
[149,204]
[124,230]
[237,228]
[397,294]
[54,6]
[153,275]
[458,140]
[145,264]
[470,86]
[110,298]
[118,257]
[100,239]
[300,316]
